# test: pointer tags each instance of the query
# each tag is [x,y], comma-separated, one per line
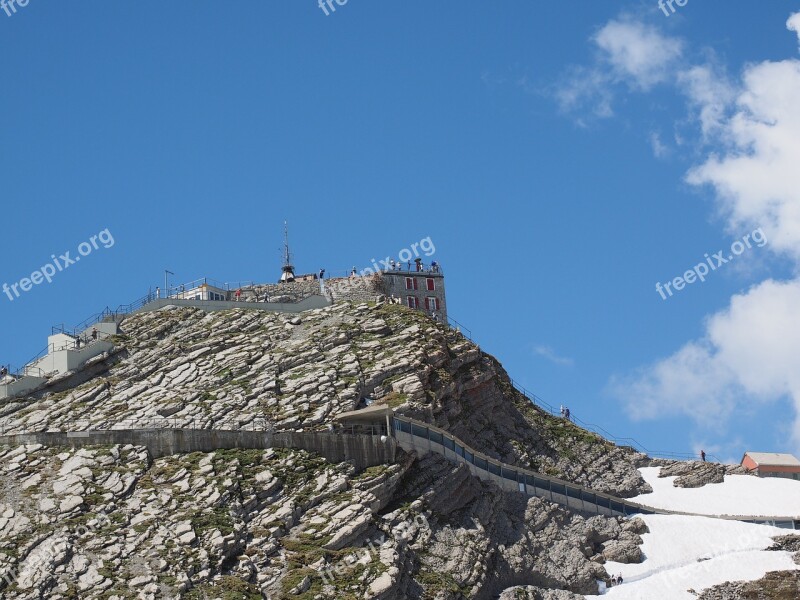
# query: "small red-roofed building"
[771,464]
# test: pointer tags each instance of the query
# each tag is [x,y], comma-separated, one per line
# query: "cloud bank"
[750,351]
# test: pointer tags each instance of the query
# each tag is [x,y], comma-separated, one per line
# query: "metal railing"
[27,369]
[540,403]
[467,333]
[525,480]
[371,430]
[252,291]
[533,483]
[175,291]
[105,315]
[19,372]
[403,269]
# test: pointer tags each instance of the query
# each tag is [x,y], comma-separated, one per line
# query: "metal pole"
[166,282]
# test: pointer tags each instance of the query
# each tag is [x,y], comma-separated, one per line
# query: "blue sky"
[559,157]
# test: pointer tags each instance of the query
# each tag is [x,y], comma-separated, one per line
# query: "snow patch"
[740,495]
[683,553]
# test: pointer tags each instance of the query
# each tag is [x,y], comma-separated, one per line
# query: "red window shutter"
[427,303]
[409,285]
[431,285]
[416,302]
[416,283]
[436,300]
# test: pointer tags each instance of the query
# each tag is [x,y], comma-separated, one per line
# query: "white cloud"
[583,85]
[793,24]
[710,95]
[629,53]
[637,53]
[750,352]
[756,176]
[551,355]
[659,149]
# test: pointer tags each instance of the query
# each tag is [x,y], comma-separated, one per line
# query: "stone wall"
[361,450]
[355,289]
[308,302]
[159,442]
[280,292]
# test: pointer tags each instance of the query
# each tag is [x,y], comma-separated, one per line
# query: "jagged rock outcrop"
[533,593]
[778,585]
[696,474]
[106,522]
[787,543]
[111,522]
[185,367]
[482,540]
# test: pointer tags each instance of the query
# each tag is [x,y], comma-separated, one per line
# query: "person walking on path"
[566,413]
[94,334]
[703,455]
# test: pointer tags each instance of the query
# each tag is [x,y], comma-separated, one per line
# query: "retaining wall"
[159,442]
[361,450]
[309,303]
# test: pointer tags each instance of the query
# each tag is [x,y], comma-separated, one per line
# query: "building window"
[412,283]
[431,284]
[413,302]
[431,303]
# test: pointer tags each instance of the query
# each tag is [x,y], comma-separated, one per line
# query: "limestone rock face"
[279,523]
[534,593]
[696,474]
[111,522]
[778,585]
[182,367]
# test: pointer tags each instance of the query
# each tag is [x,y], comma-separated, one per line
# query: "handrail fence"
[551,488]
[539,402]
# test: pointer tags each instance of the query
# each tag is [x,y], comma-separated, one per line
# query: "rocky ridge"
[107,522]
[696,474]
[111,522]
[187,368]
[778,585]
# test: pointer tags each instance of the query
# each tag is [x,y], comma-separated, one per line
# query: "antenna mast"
[288,269]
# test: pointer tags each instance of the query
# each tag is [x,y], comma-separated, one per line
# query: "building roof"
[773,459]
[374,413]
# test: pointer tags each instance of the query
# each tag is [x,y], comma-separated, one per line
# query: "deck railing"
[539,402]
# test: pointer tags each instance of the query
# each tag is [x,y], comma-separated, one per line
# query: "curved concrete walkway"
[421,438]
[370,450]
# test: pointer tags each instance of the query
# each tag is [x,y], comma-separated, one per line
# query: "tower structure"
[287,274]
